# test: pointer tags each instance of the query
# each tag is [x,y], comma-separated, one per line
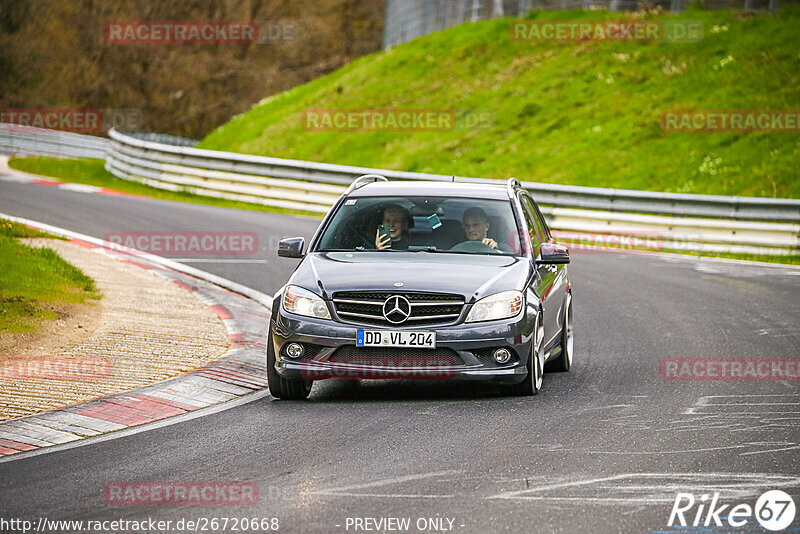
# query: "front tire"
[284,388]
[533,380]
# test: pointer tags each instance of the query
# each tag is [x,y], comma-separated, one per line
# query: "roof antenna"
[454,177]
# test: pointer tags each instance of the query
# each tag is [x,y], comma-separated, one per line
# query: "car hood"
[471,275]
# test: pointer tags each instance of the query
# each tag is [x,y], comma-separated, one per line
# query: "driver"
[397,217]
[476,226]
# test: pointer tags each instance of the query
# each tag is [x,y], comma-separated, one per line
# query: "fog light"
[502,355]
[294,350]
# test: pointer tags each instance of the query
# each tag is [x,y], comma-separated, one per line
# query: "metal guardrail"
[201,168]
[41,142]
[166,139]
[705,222]
[583,214]
[654,232]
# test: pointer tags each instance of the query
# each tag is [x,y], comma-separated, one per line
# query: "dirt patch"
[75,324]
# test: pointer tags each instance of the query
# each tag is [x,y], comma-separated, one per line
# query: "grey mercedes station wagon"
[424,280]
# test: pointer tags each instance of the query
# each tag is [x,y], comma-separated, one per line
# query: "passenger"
[398,218]
[476,227]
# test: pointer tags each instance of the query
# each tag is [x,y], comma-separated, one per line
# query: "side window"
[537,221]
[531,222]
[542,224]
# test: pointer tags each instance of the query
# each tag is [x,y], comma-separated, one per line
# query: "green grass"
[792,259]
[567,113]
[34,282]
[92,172]
[15,229]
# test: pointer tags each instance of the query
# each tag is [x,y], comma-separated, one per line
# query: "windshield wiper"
[463,252]
[359,248]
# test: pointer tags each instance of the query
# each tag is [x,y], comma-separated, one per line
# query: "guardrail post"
[461,11]
[476,7]
[497,8]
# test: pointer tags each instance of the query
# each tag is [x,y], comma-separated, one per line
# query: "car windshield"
[429,224]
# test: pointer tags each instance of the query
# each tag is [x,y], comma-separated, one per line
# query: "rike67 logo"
[774,510]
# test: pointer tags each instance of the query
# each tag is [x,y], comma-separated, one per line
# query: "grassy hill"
[571,113]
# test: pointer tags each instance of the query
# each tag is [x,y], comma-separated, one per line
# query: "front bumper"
[463,351]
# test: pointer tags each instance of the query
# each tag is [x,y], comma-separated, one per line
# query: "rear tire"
[564,361]
[284,388]
[533,380]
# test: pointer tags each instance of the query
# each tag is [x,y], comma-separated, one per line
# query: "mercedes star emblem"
[396,309]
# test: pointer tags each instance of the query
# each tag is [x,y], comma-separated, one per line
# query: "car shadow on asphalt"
[333,391]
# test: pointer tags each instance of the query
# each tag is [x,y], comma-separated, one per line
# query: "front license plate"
[388,338]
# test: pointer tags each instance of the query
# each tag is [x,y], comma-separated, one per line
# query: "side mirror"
[553,253]
[291,247]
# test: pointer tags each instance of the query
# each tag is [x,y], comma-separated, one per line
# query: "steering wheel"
[474,246]
[365,240]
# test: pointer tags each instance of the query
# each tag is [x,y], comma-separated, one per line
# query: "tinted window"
[541,221]
[534,225]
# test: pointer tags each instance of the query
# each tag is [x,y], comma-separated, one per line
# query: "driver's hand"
[382,241]
[489,241]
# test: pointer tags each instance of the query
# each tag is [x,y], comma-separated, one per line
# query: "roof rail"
[512,185]
[364,180]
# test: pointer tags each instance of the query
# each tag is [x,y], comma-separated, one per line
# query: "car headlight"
[498,306]
[304,302]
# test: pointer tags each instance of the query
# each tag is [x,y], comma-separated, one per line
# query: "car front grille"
[426,308]
[396,357]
